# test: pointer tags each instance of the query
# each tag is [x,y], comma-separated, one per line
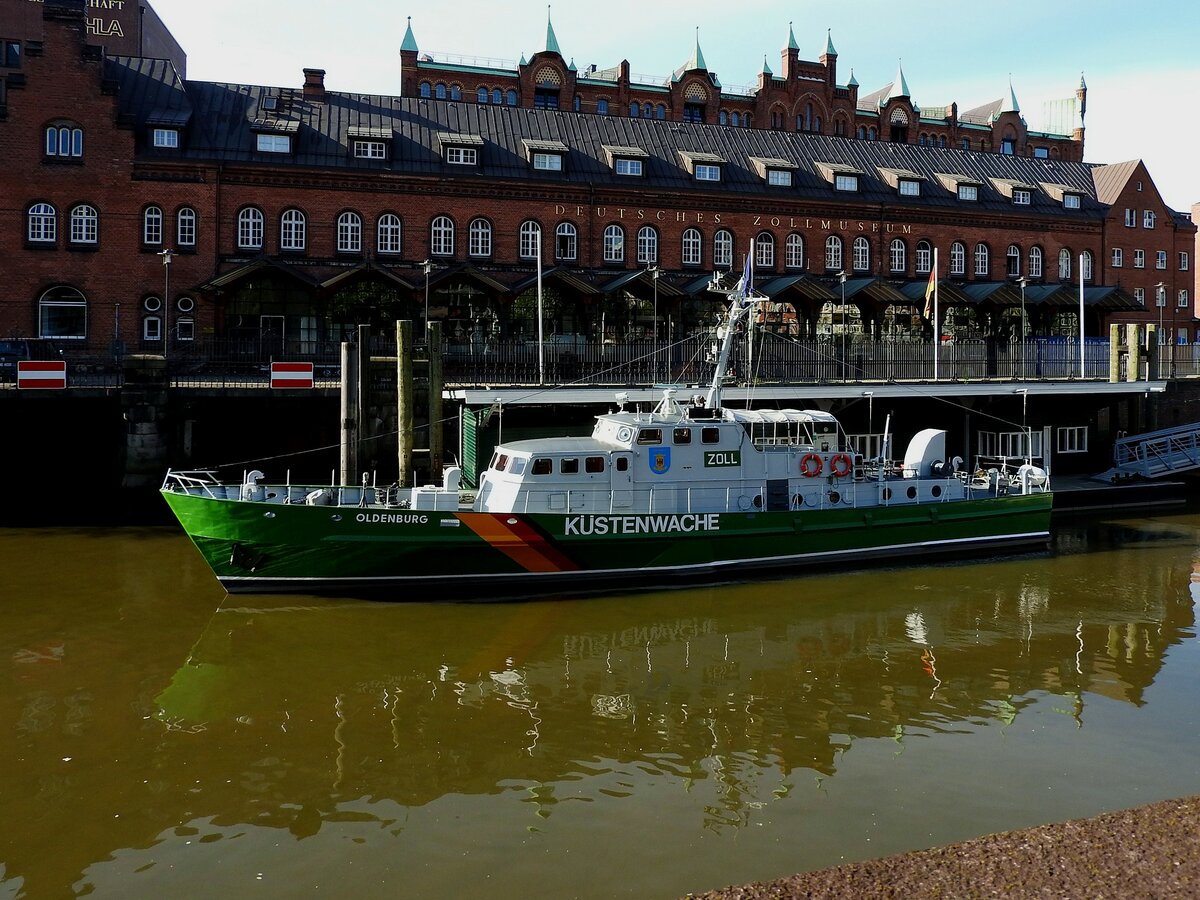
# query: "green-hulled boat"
[689,492]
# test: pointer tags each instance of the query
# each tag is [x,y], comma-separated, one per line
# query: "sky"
[1139,59]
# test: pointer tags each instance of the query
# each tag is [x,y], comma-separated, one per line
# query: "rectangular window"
[968,192]
[166,137]
[542,466]
[708,173]
[152,328]
[370,149]
[1139,294]
[1073,439]
[1070,201]
[845,183]
[593,465]
[1160,259]
[185,329]
[650,436]
[910,189]
[1148,218]
[627,166]
[682,436]
[1182,300]
[462,156]
[1183,260]
[1118,257]
[548,162]
[1130,218]
[710,435]
[1139,259]
[568,466]
[1041,152]
[273,143]
[779,177]
[11,55]
[1021,197]
[62,319]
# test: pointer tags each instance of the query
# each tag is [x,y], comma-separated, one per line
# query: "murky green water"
[162,740]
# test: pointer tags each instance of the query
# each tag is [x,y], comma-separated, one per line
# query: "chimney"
[314,85]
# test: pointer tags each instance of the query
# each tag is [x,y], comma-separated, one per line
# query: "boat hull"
[432,555]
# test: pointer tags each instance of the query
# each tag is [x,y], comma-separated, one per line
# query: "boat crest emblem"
[660,460]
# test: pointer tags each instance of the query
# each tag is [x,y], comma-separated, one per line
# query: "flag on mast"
[930,291]
[747,282]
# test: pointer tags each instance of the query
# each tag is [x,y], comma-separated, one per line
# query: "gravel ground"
[1149,852]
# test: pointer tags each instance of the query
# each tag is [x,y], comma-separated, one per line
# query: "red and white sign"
[291,375]
[45,375]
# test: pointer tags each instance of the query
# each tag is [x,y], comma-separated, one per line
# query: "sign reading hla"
[695,217]
[103,27]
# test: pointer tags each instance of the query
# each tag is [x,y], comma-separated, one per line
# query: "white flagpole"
[541,346]
[1081,371]
[937,327]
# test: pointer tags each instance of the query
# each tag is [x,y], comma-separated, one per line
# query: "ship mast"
[739,298]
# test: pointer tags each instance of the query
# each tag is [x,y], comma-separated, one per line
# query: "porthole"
[185,304]
[912,493]
[835,497]
[335,518]
[936,490]
[624,434]
[152,304]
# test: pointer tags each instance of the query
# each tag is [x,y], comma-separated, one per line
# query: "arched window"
[793,251]
[530,240]
[614,244]
[647,111]
[1064,264]
[602,107]
[1035,262]
[62,313]
[389,231]
[898,256]
[723,117]
[1085,265]
[723,249]
[924,257]
[455,92]
[479,238]
[692,247]
[511,98]
[566,241]
[1014,261]
[250,229]
[185,227]
[440,91]
[481,95]
[861,251]
[497,97]
[85,224]
[764,250]
[660,112]
[647,245]
[441,236]
[958,258]
[861,133]
[43,223]
[983,260]
[292,235]
[349,233]
[64,141]
[833,253]
[152,226]
[635,110]
[735,120]
[424,89]
[871,133]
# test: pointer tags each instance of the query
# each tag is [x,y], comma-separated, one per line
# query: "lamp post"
[427,267]
[1160,300]
[1022,281]
[842,276]
[166,258]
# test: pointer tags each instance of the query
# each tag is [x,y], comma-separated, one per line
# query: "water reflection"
[426,729]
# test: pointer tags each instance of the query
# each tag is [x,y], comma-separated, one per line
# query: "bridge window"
[682,436]
[542,466]
[569,466]
[650,436]
[710,435]
[593,464]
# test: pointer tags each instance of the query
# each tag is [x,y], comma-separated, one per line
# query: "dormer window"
[627,161]
[845,183]
[1070,201]
[545,156]
[968,192]
[702,166]
[462,156]
[460,149]
[369,143]
[631,167]
[906,182]
[364,149]
[775,172]
[166,138]
[842,177]
[909,188]
[779,178]
[548,162]
[1021,197]
[273,143]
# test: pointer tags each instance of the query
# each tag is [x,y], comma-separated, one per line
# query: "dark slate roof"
[225,116]
[150,91]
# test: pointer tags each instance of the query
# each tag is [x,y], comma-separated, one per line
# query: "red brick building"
[288,215]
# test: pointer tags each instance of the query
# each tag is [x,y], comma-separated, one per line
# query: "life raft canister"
[841,464]
[810,465]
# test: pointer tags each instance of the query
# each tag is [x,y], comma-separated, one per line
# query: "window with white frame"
[1070,201]
[566,241]
[1014,261]
[909,188]
[1064,264]
[273,143]
[152,226]
[548,162]
[42,224]
[1118,257]
[1130,218]
[723,249]
[1021,197]
[62,313]
[64,142]
[860,253]
[85,224]
[779,178]
[1085,265]
[1073,439]
[1139,294]
[462,156]
[982,260]
[1160,259]
[1035,262]
[366,149]
[292,234]
[924,257]
[152,328]
[166,138]
[764,250]
[692,244]
[897,256]
[349,232]
[793,251]
[479,238]
[1139,259]
[185,328]
[1184,262]
[185,227]
[250,229]
[647,245]
[529,240]
[441,236]
[844,182]
[833,253]
[958,258]
[631,167]
[1148,218]
[707,173]
[1181,301]
[614,244]
[968,192]
[389,233]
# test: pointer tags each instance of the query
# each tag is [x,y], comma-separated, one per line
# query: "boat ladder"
[1155,453]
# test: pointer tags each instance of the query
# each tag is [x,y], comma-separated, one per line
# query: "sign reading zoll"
[719,458]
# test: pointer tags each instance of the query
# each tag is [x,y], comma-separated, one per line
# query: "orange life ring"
[841,464]
[810,465]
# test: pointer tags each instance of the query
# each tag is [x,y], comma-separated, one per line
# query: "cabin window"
[593,464]
[622,463]
[501,462]
[650,436]
[542,466]
[568,466]
[710,435]
[682,436]
[518,465]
